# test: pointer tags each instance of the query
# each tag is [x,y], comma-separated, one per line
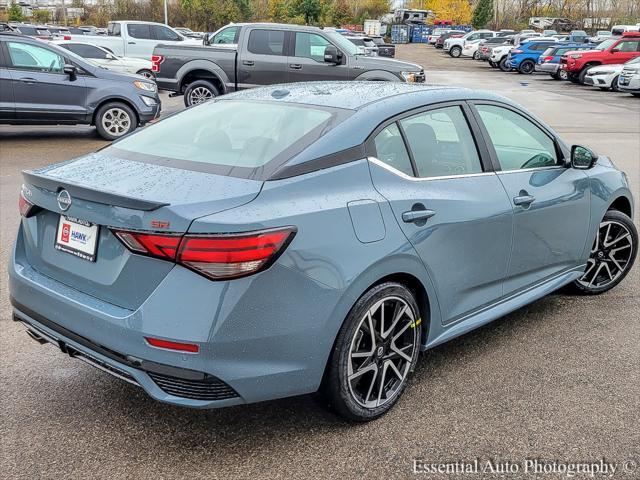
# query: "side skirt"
[504,306]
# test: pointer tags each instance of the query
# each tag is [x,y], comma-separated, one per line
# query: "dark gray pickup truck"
[248,55]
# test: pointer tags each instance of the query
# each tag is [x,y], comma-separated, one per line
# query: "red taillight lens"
[179,346]
[25,207]
[217,257]
[516,51]
[547,59]
[66,37]
[156,60]
[153,245]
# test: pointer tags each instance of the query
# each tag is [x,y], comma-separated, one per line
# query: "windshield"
[231,137]
[633,61]
[606,44]
[342,43]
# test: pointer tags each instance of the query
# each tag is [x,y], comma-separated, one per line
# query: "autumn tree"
[459,11]
[309,9]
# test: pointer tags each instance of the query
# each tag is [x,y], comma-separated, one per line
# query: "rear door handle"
[248,63]
[414,216]
[523,200]
[295,66]
[28,80]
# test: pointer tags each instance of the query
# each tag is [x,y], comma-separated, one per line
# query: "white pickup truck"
[135,39]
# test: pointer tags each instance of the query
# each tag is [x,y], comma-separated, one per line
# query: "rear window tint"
[230,137]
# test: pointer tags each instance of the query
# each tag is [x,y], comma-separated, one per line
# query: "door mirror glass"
[582,157]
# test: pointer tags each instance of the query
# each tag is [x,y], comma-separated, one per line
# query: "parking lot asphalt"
[556,380]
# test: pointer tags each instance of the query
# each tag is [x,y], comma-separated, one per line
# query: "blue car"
[549,60]
[524,57]
[289,239]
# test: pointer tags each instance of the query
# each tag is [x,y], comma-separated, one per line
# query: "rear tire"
[612,255]
[114,120]
[146,74]
[455,51]
[527,67]
[369,367]
[198,92]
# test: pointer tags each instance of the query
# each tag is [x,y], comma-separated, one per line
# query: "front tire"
[375,352]
[476,55]
[455,51]
[612,254]
[614,84]
[199,92]
[114,120]
[503,65]
[493,64]
[563,75]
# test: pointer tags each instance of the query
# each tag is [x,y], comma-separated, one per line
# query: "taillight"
[66,37]
[26,208]
[516,51]
[547,59]
[156,60]
[218,257]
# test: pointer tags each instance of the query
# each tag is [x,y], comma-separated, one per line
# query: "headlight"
[146,86]
[409,77]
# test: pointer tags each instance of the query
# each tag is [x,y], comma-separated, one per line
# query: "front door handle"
[28,80]
[523,200]
[248,63]
[295,66]
[417,216]
[131,43]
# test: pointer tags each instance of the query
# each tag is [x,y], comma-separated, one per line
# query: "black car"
[43,84]
[384,49]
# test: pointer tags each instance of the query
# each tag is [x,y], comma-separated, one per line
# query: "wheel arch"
[202,70]
[126,101]
[622,204]
[378,75]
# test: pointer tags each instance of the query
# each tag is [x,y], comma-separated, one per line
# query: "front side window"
[85,51]
[164,33]
[266,42]
[139,30]
[441,143]
[311,45]
[391,150]
[628,46]
[228,36]
[24,56]
[517,141]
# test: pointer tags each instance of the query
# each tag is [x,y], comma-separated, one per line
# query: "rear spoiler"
[54,185]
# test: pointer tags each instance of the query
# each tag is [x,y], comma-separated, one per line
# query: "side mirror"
[582,158]
[332,55]
[615,50]
[70,70]
[206,40]
[110,56]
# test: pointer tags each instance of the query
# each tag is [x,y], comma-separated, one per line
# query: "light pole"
[166,21]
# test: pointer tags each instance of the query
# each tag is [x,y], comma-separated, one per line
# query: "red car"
[613,51]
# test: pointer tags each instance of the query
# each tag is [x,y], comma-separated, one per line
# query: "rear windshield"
[247,139]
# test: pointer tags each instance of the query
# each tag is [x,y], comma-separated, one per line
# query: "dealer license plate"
[77,237]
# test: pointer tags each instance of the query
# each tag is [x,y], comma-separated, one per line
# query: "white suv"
[454,45]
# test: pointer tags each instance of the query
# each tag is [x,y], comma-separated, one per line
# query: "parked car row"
[605,61]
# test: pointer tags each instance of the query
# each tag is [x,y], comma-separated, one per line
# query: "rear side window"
[24,56]
[231,137]
[441,143]
[139,30]
[628,46]
[391,150]
[266,42]
[113,29]
[28,30]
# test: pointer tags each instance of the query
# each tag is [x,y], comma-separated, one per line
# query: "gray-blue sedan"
[296,238]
